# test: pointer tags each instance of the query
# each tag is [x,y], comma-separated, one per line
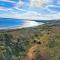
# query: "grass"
[42,42]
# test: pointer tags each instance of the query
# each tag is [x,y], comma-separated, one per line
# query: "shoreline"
[26,24]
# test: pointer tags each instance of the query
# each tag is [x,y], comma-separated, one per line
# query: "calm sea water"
[5,22]
[16,23]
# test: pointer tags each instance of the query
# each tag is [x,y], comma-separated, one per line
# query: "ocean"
[17,23]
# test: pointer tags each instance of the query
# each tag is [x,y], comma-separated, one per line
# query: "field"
[37,43]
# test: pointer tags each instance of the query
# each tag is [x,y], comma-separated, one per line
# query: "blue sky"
[30,9]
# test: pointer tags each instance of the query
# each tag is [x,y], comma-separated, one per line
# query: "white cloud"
[40,3]
[36,3]
[20,4]
[5,0]
[31,16]
[9,1]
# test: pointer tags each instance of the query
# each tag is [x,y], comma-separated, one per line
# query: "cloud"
[46,10]
[10,0]
[31,15]
[40,3]
[37,16]
[20,4]
[36,3]
[45,6]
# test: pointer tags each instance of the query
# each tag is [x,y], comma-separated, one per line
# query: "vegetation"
[37,43]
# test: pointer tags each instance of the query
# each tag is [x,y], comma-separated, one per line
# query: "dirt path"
[31,51]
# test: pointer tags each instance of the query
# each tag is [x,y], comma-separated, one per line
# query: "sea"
[17,23]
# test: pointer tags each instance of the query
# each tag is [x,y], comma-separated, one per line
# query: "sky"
[30,9]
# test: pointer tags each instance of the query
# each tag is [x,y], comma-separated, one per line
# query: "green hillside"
[38,43]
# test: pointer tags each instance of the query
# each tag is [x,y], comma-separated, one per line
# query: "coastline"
[25,25]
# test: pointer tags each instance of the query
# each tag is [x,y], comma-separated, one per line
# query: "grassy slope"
[38,43]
